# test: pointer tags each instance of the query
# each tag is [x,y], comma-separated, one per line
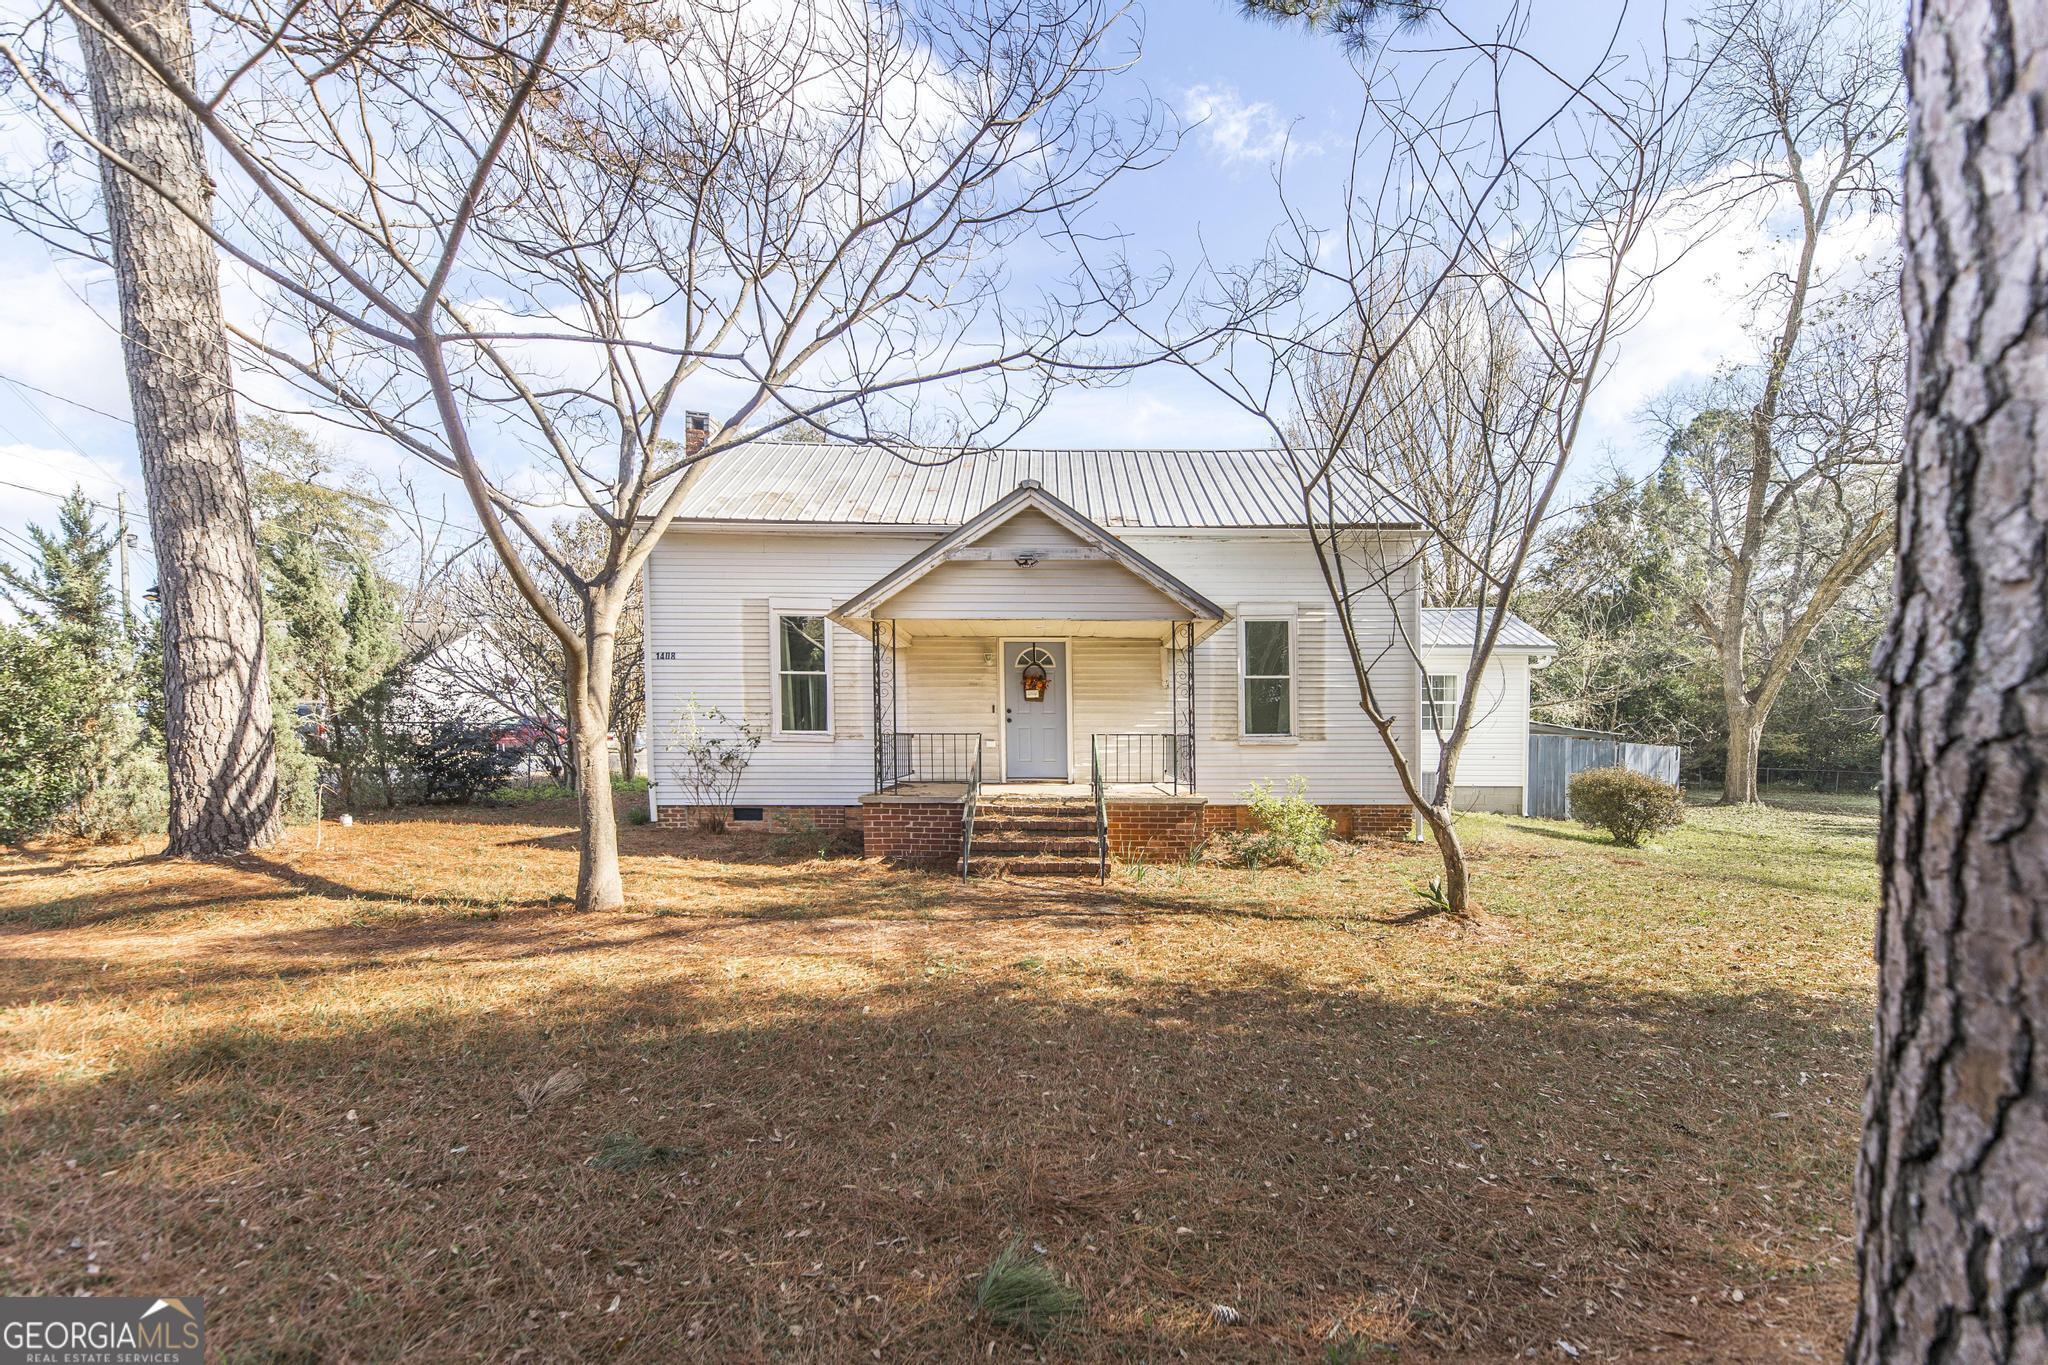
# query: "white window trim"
[1272,611]
[1457,677]
[777,609]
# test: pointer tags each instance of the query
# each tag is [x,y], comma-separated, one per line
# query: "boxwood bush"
[1629,805]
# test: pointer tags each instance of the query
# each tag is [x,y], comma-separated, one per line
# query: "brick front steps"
[1034,837]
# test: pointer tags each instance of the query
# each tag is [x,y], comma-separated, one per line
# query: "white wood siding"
[708,610]
[949,684]
[1497,749]
[1120,688]
[1347,765]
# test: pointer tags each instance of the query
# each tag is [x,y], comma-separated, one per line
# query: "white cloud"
[53,334]
[33,479]
[1702,309]
[1239,131]
[1161,407]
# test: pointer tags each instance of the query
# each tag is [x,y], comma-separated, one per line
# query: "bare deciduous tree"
[501,650]
[509,237]
[1952,1189]
[1806,103]
[1444,392]
[1487,261]
[152,229]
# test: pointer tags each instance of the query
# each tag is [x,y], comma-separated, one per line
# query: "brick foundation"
[1351,822]
[911,831]
[1154,831]
[824,817]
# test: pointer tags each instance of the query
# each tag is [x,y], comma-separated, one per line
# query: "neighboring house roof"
[1028,495]
[1455,627]
[841,484]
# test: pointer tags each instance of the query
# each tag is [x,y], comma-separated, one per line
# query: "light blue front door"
[1034,725]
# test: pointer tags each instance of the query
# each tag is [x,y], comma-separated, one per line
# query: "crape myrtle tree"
[508,238]
[1952,1186]
[149,217]
[1793,452]
[1454,321]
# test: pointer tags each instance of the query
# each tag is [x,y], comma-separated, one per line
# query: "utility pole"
[122,539]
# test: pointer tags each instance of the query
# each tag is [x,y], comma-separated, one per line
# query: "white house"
[978,641]
[1493,770]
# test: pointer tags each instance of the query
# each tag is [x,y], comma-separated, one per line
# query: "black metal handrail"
[931,756]
[1150,758]
[1101,808]
[967,814]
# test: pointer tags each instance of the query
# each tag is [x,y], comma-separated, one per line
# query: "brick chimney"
[696,431]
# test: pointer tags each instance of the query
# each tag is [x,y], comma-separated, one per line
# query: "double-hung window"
[1266,676]
[803,687]
[1443,702]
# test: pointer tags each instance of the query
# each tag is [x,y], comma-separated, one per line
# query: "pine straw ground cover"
[386,1095]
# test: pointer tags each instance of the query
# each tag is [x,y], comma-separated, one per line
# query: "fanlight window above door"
[1032,663]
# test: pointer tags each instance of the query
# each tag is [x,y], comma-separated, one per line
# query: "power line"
[129,422]
[30,488]
[87,407]
[63,435]
[18,544]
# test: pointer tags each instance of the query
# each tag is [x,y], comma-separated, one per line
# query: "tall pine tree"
[99,773]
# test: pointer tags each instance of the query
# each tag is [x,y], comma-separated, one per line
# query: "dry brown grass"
[304,1086]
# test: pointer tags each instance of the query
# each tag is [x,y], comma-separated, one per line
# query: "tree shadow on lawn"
[1560,830]
[1578,1162]
[1724,855]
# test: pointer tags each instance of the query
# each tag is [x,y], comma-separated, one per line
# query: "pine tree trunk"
[217,714]
[1952,1188]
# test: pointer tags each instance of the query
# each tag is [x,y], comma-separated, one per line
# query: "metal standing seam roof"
[1454,628]
[870,485]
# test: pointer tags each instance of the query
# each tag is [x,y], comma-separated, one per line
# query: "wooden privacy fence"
[1553,758]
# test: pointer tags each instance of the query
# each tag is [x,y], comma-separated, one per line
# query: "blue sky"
[1245,87]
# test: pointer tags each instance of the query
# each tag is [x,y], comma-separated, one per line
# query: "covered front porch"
[1030,660]
[1039,707]
[1037,760]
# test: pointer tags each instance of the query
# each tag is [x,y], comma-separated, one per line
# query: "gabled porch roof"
[1176,601]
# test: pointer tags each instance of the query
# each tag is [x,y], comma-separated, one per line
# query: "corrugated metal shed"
[1455,628]
[863,485]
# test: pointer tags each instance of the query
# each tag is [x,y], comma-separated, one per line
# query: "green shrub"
[131,796]
[1020,1291]
[1629,805]
[46,708]
[460,761]
[1287,828]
